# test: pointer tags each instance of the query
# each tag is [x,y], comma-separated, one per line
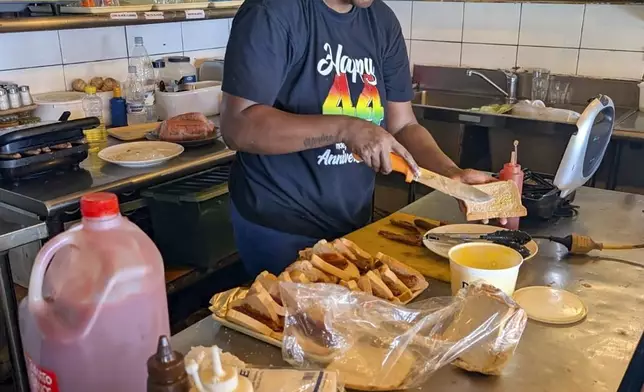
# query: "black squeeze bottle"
[166,370]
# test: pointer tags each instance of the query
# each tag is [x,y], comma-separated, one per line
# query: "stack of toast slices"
[339,262]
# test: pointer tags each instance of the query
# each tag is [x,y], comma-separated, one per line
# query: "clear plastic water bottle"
[135,98]
[93,107]
[140,59]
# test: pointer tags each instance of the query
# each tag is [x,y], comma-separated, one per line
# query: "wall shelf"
[66,22]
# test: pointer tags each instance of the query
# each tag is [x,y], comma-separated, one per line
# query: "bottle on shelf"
[135,98]
[512,171]
[93,107]
[140,59]
[118,109]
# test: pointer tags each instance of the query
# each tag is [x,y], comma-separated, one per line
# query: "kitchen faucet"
[512,79]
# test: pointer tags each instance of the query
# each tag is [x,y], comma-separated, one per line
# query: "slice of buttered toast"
[505,203]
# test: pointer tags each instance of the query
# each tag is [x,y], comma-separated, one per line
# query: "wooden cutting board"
[422,259]
[132,132]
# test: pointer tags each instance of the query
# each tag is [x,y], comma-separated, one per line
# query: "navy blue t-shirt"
[302,57]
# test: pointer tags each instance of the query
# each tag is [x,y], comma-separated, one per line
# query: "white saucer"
[552,306]
[140,154]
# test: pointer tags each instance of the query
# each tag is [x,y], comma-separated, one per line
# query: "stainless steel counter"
[48,194]
[16,229]
[632,127]
[591,355]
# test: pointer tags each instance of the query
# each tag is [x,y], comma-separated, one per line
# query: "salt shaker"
[25,96]
[14,98]
[4,100]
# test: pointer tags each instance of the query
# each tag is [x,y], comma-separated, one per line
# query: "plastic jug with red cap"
[96,305]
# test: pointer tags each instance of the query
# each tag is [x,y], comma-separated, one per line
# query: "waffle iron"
[31,150]
[546,196]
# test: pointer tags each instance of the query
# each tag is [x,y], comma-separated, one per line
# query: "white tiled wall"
[50,60]
[598,40]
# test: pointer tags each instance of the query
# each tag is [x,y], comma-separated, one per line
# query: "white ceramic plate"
[442,249]
[140,154]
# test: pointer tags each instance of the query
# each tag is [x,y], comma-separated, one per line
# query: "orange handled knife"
[442,184]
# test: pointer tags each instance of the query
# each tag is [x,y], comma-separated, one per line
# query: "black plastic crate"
[190,218]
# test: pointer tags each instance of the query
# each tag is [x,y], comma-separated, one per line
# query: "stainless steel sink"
[453,100]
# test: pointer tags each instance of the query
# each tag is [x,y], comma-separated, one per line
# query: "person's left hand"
[474,177]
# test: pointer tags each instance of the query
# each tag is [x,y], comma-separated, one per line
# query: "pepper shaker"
[4,100]
[14,98]
[25,96]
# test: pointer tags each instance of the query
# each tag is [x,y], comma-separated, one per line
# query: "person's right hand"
[374,145]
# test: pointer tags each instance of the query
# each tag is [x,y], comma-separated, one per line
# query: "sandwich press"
[546,197]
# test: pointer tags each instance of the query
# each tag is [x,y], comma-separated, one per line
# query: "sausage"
[184,130]
[423,224]
[404,225]
[408,239]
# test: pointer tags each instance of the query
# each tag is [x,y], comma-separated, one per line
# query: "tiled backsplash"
[50,60]
[596,40]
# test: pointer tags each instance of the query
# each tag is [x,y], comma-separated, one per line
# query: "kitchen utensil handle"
[398,164]
[35,299]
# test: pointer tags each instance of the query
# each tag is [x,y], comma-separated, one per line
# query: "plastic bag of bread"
[376,345]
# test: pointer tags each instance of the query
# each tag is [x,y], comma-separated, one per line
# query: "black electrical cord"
[565,241]
[566,210]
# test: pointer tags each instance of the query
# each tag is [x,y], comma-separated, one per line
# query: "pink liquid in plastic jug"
[96,306]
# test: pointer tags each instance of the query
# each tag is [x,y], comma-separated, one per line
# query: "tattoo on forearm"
[318,141]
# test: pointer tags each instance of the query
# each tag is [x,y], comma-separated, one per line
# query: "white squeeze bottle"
[96,305]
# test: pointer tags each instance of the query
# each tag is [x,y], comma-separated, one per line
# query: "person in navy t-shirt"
[307,84]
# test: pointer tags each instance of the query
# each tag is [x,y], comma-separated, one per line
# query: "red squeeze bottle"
[512,171]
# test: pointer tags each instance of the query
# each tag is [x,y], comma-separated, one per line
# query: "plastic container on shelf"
[96,304]
[158,66]
[179,70]
[204,98]
[186,212]
[118,109]
[106,96]
[93,107]
[140,59]
[52,105]
[134,98]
